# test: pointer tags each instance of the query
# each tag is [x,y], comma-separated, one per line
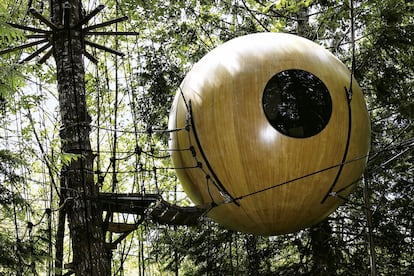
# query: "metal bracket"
[47,36]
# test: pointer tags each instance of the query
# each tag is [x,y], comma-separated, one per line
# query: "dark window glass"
[297,103]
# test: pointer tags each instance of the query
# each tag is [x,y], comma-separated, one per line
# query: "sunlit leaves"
[171,37]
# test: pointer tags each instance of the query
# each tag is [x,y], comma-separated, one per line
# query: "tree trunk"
[90,256]
[254,258]
[321,234]
[60,235]
[324,259]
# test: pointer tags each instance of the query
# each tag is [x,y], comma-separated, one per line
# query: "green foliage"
[10,77]
[384,69]
[9,177]
[8,35]
[172,36]
[388,52]
[15,253]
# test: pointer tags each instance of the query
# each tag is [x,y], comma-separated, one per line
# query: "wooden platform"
[152,206]
[134,203]
[167,213]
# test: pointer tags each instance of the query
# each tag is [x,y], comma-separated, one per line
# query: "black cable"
[46,160]
[348,100]
[299,178]
[216,181]
[404,144]
[187,106]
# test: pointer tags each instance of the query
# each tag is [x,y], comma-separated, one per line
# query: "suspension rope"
[16,229]
[113,160]
[216,181]
[133,105]
[299,178]
[19,239]
[100,180]
[115,136]
[44,157]
[348,139]
[349,93]
[48,204]
[406,146]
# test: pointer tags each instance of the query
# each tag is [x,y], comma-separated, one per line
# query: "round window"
[297,103]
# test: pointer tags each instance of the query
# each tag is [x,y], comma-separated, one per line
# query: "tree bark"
[60,235]
[324,259]
[303,28]
[90,255]
[321,234]
[254,258]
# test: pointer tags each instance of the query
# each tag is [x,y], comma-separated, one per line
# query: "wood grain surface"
[241,154]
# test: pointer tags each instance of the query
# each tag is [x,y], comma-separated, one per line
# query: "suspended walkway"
[152,206]
[146,206]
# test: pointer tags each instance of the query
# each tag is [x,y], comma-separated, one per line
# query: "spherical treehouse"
[274,137]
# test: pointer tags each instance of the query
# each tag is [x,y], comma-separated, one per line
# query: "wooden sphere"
[268,125]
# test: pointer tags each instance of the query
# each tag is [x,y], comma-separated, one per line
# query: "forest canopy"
[56,159]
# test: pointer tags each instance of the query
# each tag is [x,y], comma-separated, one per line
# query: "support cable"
[18,241]
[138,150]
[43,152]
[216,181]
[100,179]
[28,210]
[349,93]
[300,177]
[407,146]
[345,155]
[371,246]
[48,204]
[109,215]
[131,98]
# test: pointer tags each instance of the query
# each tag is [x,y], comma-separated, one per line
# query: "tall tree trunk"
[60,234]
[302,17]
[324,259]
[254,258]
[321,234]
[90,256]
